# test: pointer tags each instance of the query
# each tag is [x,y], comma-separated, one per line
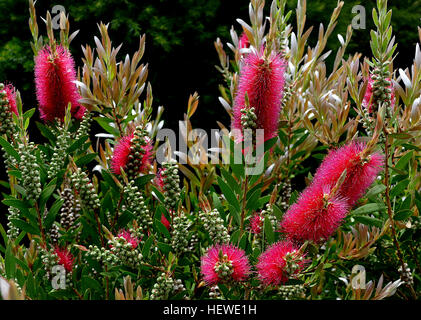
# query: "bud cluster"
[59,154]
[85,189]
[70,210]
[138,150]
[6,121]
[49,260]
[102,255]
[293,262]
[224,268]
[289,292]
[54,234]
[215,293]
[214,226]
[265,213]
[12,231]
[84,126]
[406,275]
[382,92]
[180,226]
[248,118]
[171,182]
[284,194]
[162,288]
[136,204]
[31,180]
[126,253]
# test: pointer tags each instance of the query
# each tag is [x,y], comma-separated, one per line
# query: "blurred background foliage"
[179,47]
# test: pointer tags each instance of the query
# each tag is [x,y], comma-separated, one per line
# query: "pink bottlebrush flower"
[368,96]
[223,263]
[256,223]
[123,155]
[54,80]
[263,81]
[362,170]
[315,216]
[280,262]
[165,222]
[64,258]
[159,181]
[126,235]
[243,42]
[11,97]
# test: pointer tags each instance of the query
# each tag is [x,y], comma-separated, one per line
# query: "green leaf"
[105,124]
[143,180]
[147,246]
[270,235]
[403,215]
[164,247]
[369,208]
[110,181]
[85,159]
[404,160]
[46,132]
[229,194]
[234,185]
[162,229]
[90,282]
[253,200]
[399,188]
[369,221]
[52,213]
[3,234]
[77,144]
[46,194]
[9,263]
[25,226]
[9,149]
[377,189]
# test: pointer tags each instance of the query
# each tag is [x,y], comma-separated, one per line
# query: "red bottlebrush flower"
[126,235]
[315,216]
[54,80]
[123,155]
[281,261]
[243,42]
[368,96]
[362,170]
[64,258]
[256,223]
[263,81]
[223,263]
[11,97]
[165,222]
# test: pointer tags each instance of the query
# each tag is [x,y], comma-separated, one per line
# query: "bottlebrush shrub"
[334,185]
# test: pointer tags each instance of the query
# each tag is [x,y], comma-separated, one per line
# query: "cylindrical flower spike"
[224,263]
[378,90]
[55,77]
[256,223]
[130,239]
[243,41]
[280,262]
[315,216]
[361,170]
[262,81]
[133,153]
[64,258]
[11,98]
[7,107]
